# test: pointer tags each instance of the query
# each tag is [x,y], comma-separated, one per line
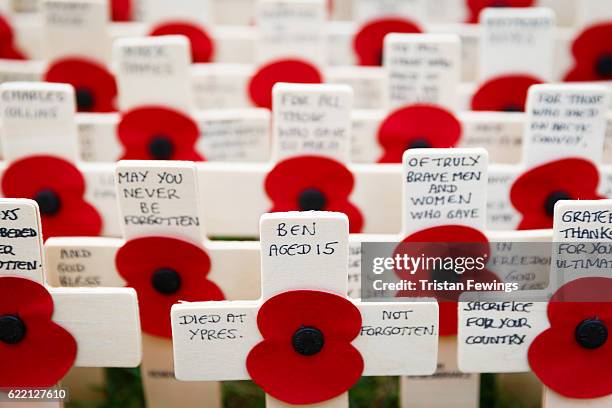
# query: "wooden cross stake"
[103,322]
[302,252]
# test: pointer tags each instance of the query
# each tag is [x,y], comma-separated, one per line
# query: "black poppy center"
[591,333]
[551,200]
[381,58]
[512,108]
[12,329]
[85,99]
[419,144]
[48,202]
[161,147]
[604,65]
[166,281]
[312,199]
[499,3]
[308,341]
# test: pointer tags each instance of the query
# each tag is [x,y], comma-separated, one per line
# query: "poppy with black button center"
[445,242]
[201,43]
[164,271]
[572,357]
[95,87]
[313,183]
[535,193]
[417,126]
[293,71]
[368,43]
[592,52]
[35,352]
[306,355]
[158,133]
[507,93]
[59,188]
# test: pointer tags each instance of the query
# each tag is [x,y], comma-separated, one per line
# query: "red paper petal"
[476,6]
[137,260]
[26,177]
[139,126]
[588,47]
[368,43]
[556,357]
[579,298]
[577,177]
[291,71]
[433,124]
[121,10]
[88,76]
[8,49]
[202,44]
[334,315]
[446,234]
[47,352]
[296,379]
[291,177]
[505,93]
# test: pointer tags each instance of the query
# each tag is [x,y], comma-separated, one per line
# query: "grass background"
[124,390]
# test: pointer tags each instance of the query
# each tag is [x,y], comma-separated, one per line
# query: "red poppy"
[8,50]
[592,55]
[506,93]
[470,243]
[535,193]
[368,44]
[121,10]
[313,183]
[58,188]
[35,352]
[417,126]
[94,86]
[306,356]
[476,6]
[573,356]
[158,133]
[289,70]
[164,271]
[202,44]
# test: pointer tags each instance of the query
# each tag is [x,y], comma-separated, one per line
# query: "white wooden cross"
[424,71]
[156,72]
[517,46]
[103,322]
[433,199]
[38,123]
[564,121]
[232,135]
[430,203]
[303,252]
[77,48]
[308,120]
[497,331]
[158,200]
